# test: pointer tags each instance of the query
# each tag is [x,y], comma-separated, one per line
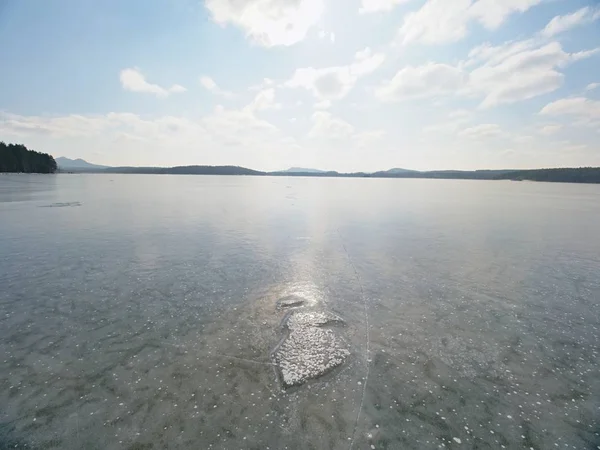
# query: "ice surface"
[137,322]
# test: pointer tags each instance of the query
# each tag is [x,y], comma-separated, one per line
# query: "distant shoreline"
[587,175]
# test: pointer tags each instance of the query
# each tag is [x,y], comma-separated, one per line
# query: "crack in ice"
[367,342]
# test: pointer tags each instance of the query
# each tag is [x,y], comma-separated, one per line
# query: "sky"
[347,85]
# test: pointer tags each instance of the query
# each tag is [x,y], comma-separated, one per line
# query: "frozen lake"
[167,312]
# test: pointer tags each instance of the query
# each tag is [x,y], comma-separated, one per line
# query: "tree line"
[560,175]
[18,158]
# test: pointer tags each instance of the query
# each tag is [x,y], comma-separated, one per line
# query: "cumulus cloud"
[371,6]
[325,125]
[325,104]
[133,80]
[520,70]
[550,129]
[585,111]
[210,85]
[560,24]
[264,84]
[443,21]
[454,121]
[459,114]
[592,86]
[325,35]
[226,136]
[493,13]
[366,62]
[264,100]
[334,83]
[515,72]
[72,125]
[422,81]
[481,131]
[328,128]
[502,74]
[585,54]
[269,22]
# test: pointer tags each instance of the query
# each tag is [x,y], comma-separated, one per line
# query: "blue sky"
[335,84]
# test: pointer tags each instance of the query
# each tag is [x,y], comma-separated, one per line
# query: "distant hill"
[562,175]
[565,175]
[303,170]
[68,164]
[399,170]
[186,170]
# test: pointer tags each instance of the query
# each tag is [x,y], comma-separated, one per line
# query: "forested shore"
[17,158]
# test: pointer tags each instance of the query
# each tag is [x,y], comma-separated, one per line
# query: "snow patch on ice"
[309,351]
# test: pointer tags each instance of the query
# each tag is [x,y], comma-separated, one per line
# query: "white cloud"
[485,130]
[517,71]
[325,104]
[443,21]
[177,89]
[58,127]
[133,80]
[330,83]
[363,54]
[96,126]
[325,125]
[370,6]
[210,85]
[586,111]
[455,120]
[334,83]
[239,127]
[496,54]
[560,24]
[269,22]
[585,54]
[502,74]
[550,129]
[264,100]
[328,128]
[367,137]
[459,114]
[438,21]
[264,84]
[493,13]
[592,86]
[421,81]
[524,139]
[366,62]
[235,137]
[325,35]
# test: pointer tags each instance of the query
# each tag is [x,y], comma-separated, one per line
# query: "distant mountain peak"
[399,170]
[68,163]
[304,170]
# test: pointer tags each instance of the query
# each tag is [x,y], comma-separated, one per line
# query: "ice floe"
[309,350]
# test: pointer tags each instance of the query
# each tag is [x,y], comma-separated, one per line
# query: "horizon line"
[317,171]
